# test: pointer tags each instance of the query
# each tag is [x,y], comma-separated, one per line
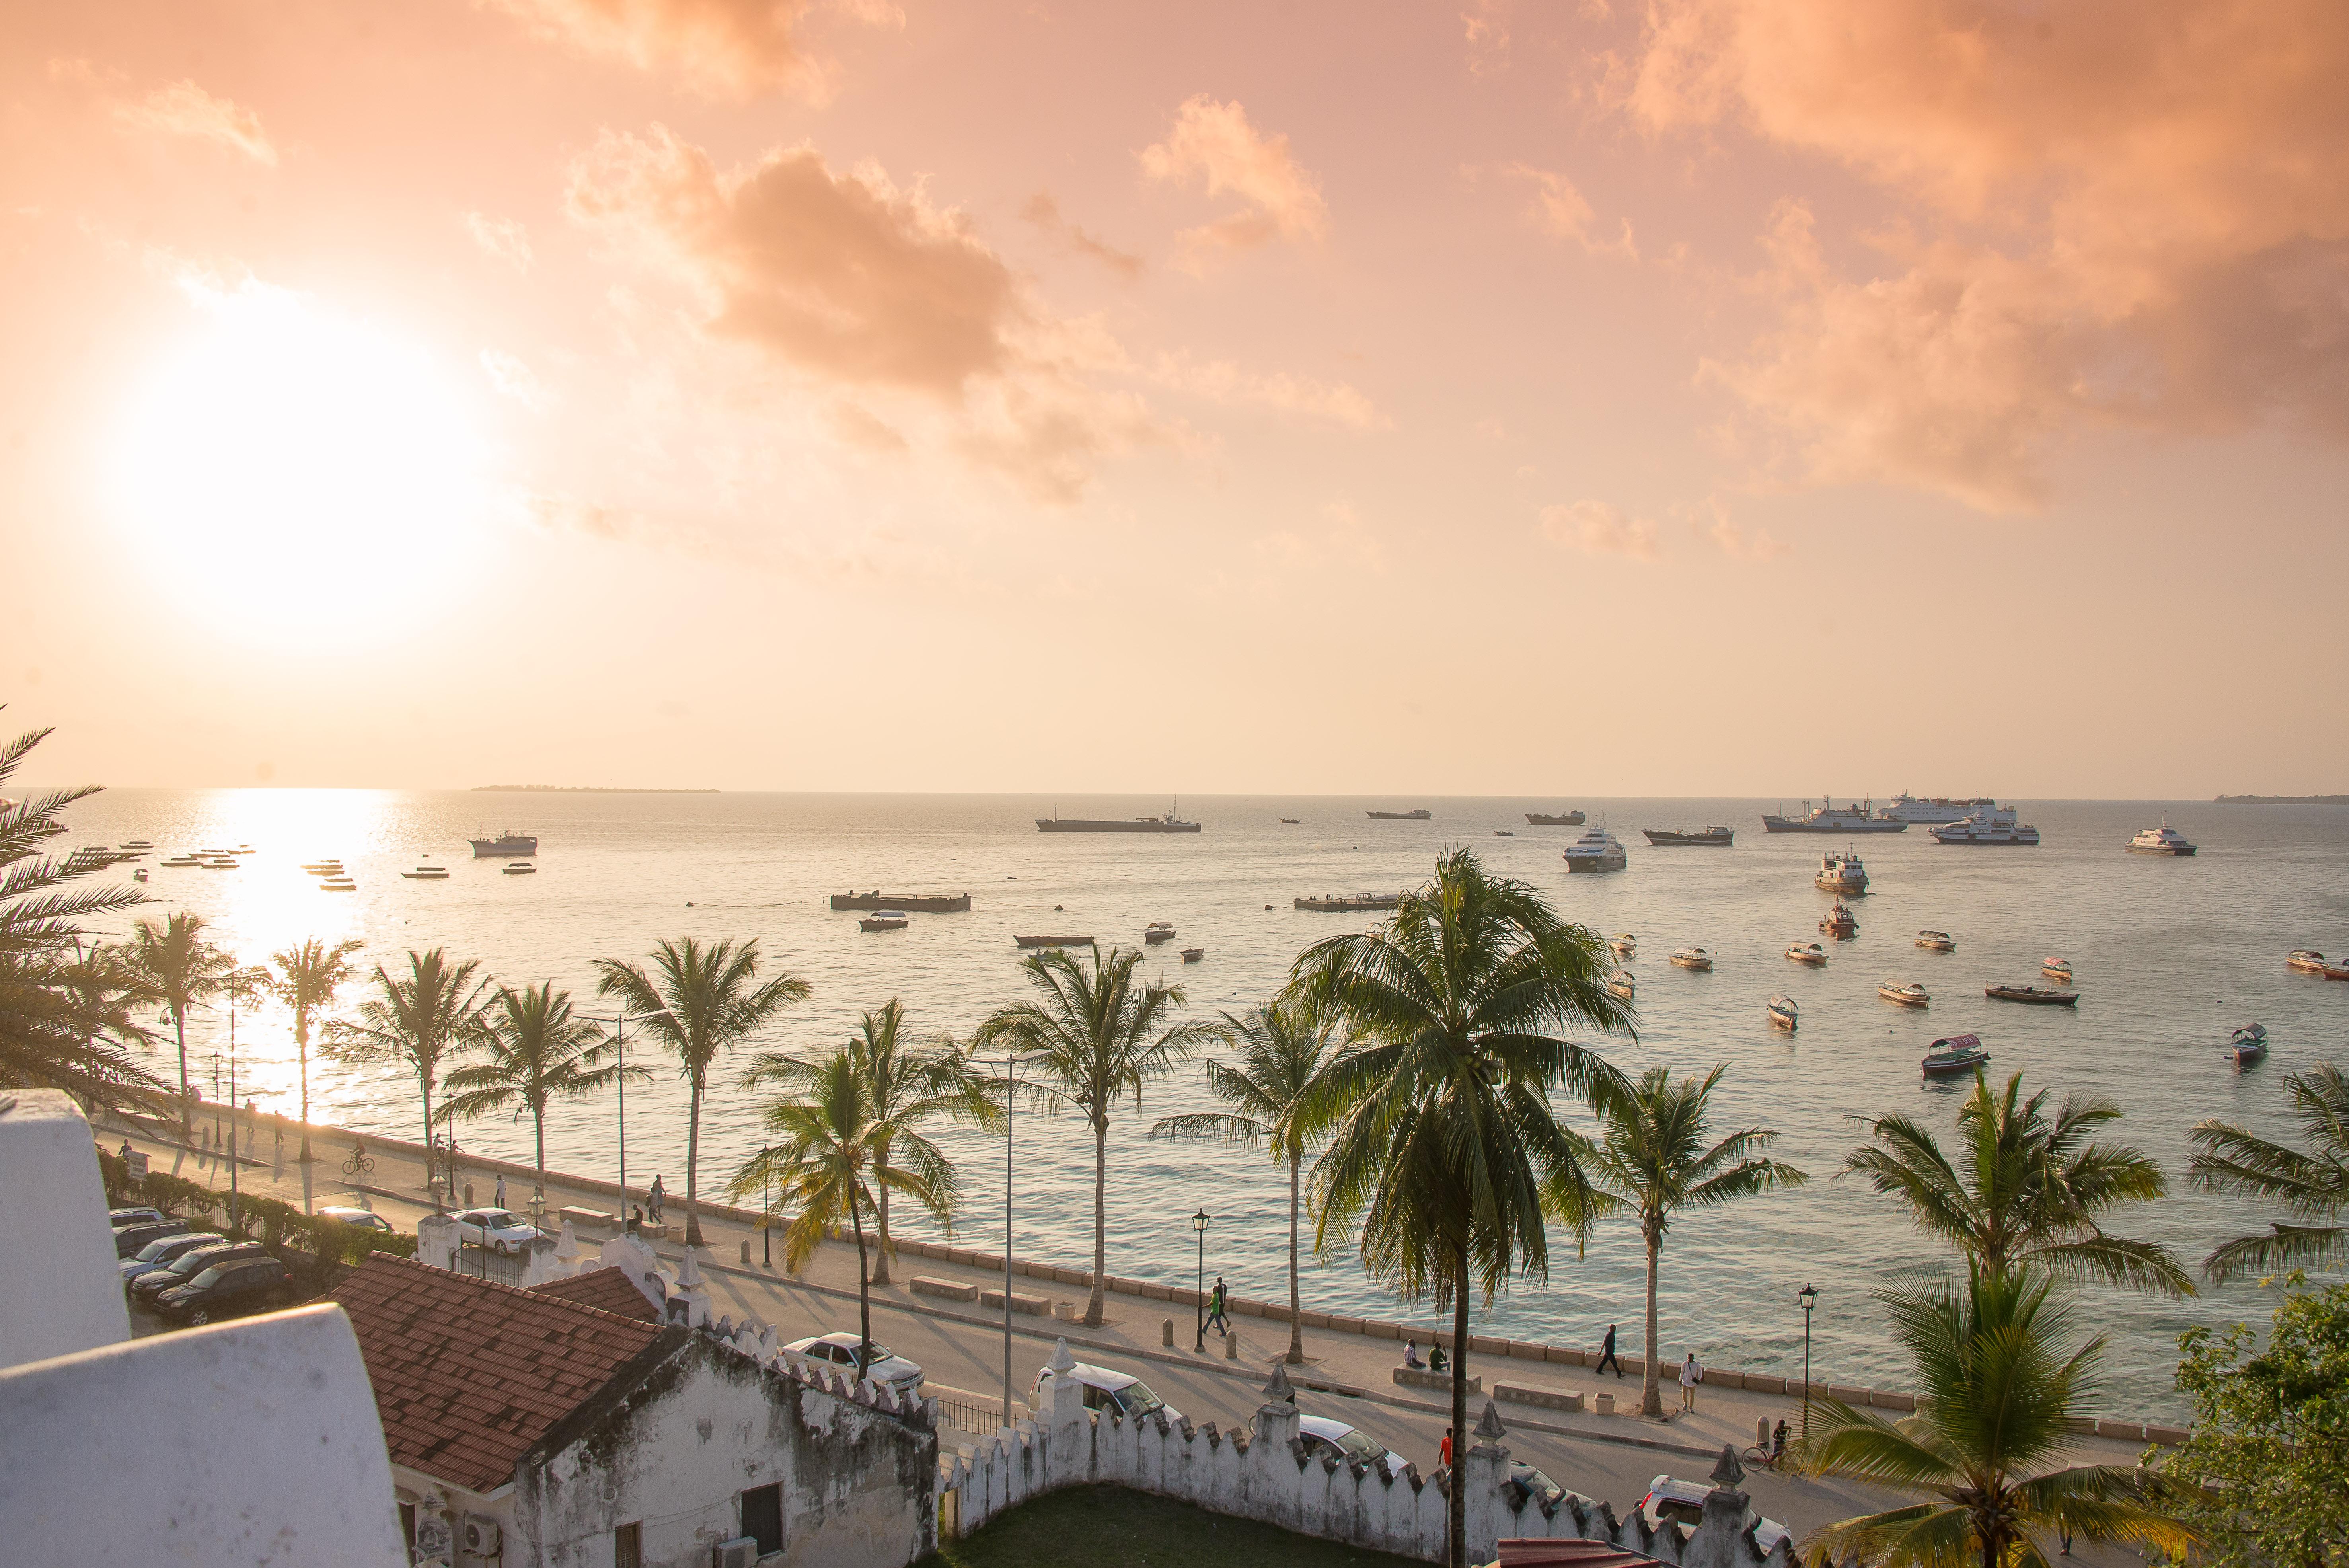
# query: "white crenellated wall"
[1271,1478]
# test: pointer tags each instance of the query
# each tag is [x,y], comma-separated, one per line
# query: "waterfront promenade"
[960,1344]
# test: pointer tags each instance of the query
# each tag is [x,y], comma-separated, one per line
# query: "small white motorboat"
[2307,960]
[1158,930]
[2248,1045]
[1622,984]
[2056,968]
[1783,1012]
[521,868]
[1807,953]
[2162,841]
[1625,944]
[1937,942]
[883,920]
[1692,957]
[1908,993]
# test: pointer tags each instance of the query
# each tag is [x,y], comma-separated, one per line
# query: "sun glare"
[299,478]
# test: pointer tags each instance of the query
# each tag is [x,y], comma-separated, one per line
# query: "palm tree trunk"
[538,1115]
[1101,1220]
[302,1056]
[1296,1317]
[864,1285]
[424,1081]
[692,1166]
[881,1204]
[1651,1392]
[187,1111]
[1455,1499]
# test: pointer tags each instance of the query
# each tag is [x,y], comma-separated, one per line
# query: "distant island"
[576,789]
[2283,800]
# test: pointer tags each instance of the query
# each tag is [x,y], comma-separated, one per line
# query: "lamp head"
[1808,1295]
[1199,1221]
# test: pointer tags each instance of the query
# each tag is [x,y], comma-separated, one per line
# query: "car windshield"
[1138,1399]
[154,1250]
[879,1353]
[191,1260]
[1358,1447]
[211,1276]
[498,1218]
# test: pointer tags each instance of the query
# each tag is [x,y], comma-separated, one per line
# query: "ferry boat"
[1053,941]
[1623,984]
[1158,930]
[521,868]
[1566,820]
[1418,814]
[922,904]
[2056,969]
[1839,921]
[505,846]
[1841,874]
[1954,1056]
[2248,1045]
[1783,1012]
[427,873]
[1907,807]
[1992,825]
[2305,959]
[1348,903]
[2036,995]
[1169,823]
[1831,818]
[1624,944]
[2162,841]
[1807,953]
[883,920]
[1193,954]
[1710,838]
[1692,957]
[1908,994]
[1597,850]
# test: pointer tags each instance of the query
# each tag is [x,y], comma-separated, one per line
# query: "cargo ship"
[1833,819]
[925,904]
[1719,838]
[505,846]
[1570,819]
[1421,815]
[1169,823]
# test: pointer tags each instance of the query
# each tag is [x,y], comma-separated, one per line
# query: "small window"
[762,1516]
[628,1545]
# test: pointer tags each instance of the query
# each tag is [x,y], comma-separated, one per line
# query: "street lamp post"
[767,1205]
[1199,1281]
[619,1022]
[1010,1082]
[1809,1296]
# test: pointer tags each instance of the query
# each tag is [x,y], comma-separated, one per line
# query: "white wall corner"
[61,1288]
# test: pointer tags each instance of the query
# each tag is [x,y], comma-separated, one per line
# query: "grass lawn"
[1111,1527]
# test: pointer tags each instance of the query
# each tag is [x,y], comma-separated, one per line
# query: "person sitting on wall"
[1436,1360]
[1411,1354]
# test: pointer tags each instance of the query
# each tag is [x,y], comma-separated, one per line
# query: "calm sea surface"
[2170,955]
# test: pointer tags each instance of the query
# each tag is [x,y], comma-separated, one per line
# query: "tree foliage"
[2311,1185]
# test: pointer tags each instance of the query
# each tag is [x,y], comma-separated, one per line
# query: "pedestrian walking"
[123,1153]
[1606,1352]
[1691,1375]
[501,1199]
[1217,1318]
[655,1198]
[1444,1453]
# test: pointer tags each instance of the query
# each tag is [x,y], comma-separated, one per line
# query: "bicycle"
[360,1163]
[1758,1457]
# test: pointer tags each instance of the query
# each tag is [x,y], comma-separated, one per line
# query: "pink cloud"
[1045,213]
[1560,209]
[1213,145]
[183,108]
[734,47]
[1596,527]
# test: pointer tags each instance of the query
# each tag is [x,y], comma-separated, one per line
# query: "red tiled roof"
[468,1373]
[1566,1551]
[606,1287]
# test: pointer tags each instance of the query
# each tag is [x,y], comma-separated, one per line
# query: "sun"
[298,478]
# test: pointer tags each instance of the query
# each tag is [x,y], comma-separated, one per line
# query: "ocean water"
[2170,955]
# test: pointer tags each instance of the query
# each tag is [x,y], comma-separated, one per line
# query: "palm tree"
[698,1001]
[306,980]
[1275,1089]
[831,1156]
[68,1021]
[2312,1187]
[902,1085]
[2025,1187]
[1999,1374]
[1651,1160]
[1097,1037]
[1444,1142]
[184,971]
[538,1052]
[415,1020]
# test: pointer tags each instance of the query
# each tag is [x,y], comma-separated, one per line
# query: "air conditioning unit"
[740,1552]
[477,1536]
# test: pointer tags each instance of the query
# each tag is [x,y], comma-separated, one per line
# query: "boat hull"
[928,903]
[2030,996]
[2167,850]
[1614,863]
[1053,941]
[1138,825]
[1401,816]
[505,847]
[1571,819]
[1712,838]
[1839,825]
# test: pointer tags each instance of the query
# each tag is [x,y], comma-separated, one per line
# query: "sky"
[1701,396]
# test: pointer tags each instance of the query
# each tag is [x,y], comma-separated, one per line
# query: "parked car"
[146,1287]
[1538,1488]
[129,1239]
[1119,1393]
[137,1214]
[501,1231]
[1682,1503]
[366,1219]
[885,1367]
[1323,1438]
[228,1288]
[156,1254]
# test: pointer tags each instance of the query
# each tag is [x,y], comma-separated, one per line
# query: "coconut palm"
[416,1020]
[2000,1372]
[833,1150]
[701,1000]
[1445,1144]
[1652,1160]
[538,1052]
[2024,1187]
[185,970]
[68,1020]
[1275,1089]
[306,980]
[904,1085]
[2312,1187]
[1096,1035]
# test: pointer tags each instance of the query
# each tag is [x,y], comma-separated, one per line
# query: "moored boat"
[1347,902]
[1417,814]
[521,868]
[917,904]
[139,875]
[186,861]
[1807,953]
[1503,833]
[1831,818]
[1169,823]
[1839,921]
[1783,1012]
[137,844]
[1907,807]
[1624,943]
[1710,838]
[1158,930]
[2162,841]
[1907,993]
[1841,872]
[1053,941]
[1597,850]
[883,920]
[338,885]
[427,873]
[1991,825]
[1623,984]
[1291,821]
[505,846]
[2037,996]
[2336,971]
[2307,960]
[322,868]
[1564,820]
[1937,942]
[1953,1056]
[2056,969]
[1193,954]
[1692,957]
[2248,1045]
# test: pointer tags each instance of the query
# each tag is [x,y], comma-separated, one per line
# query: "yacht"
[1807,953]
[1622,984]
[1991,825]
[2056,969]
[1839,921]
[1783,1012]
[1908,994]
[1841,874]
[2307,960]
[1831,818]
[1692,957]
[1597,850]
[883,920]
[1624,943]
[2248,1045]
[1907,807]
[1937,942]
[2162,841]
[1158,930]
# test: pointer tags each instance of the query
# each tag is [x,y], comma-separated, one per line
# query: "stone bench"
[584,1218]
[952,1290]
[1548,1398]
[1033,1306]
[1416,1377]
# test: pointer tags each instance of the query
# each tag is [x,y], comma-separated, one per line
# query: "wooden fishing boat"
[2248,1045]
[1193,954]
[1839,921]
[1937,942]
[1692,957]
[883,920]
[1957,1055]
[2056,969]
[2036,995]
[1623,984]
[1908,994]
[1807,953]
[1783,1012]
[1053,941]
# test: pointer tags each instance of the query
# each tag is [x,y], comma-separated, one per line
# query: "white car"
[366,1219]
[887,1369]
[1321,1436]
[1682,1503]
[1119,1393]
[498,1230]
